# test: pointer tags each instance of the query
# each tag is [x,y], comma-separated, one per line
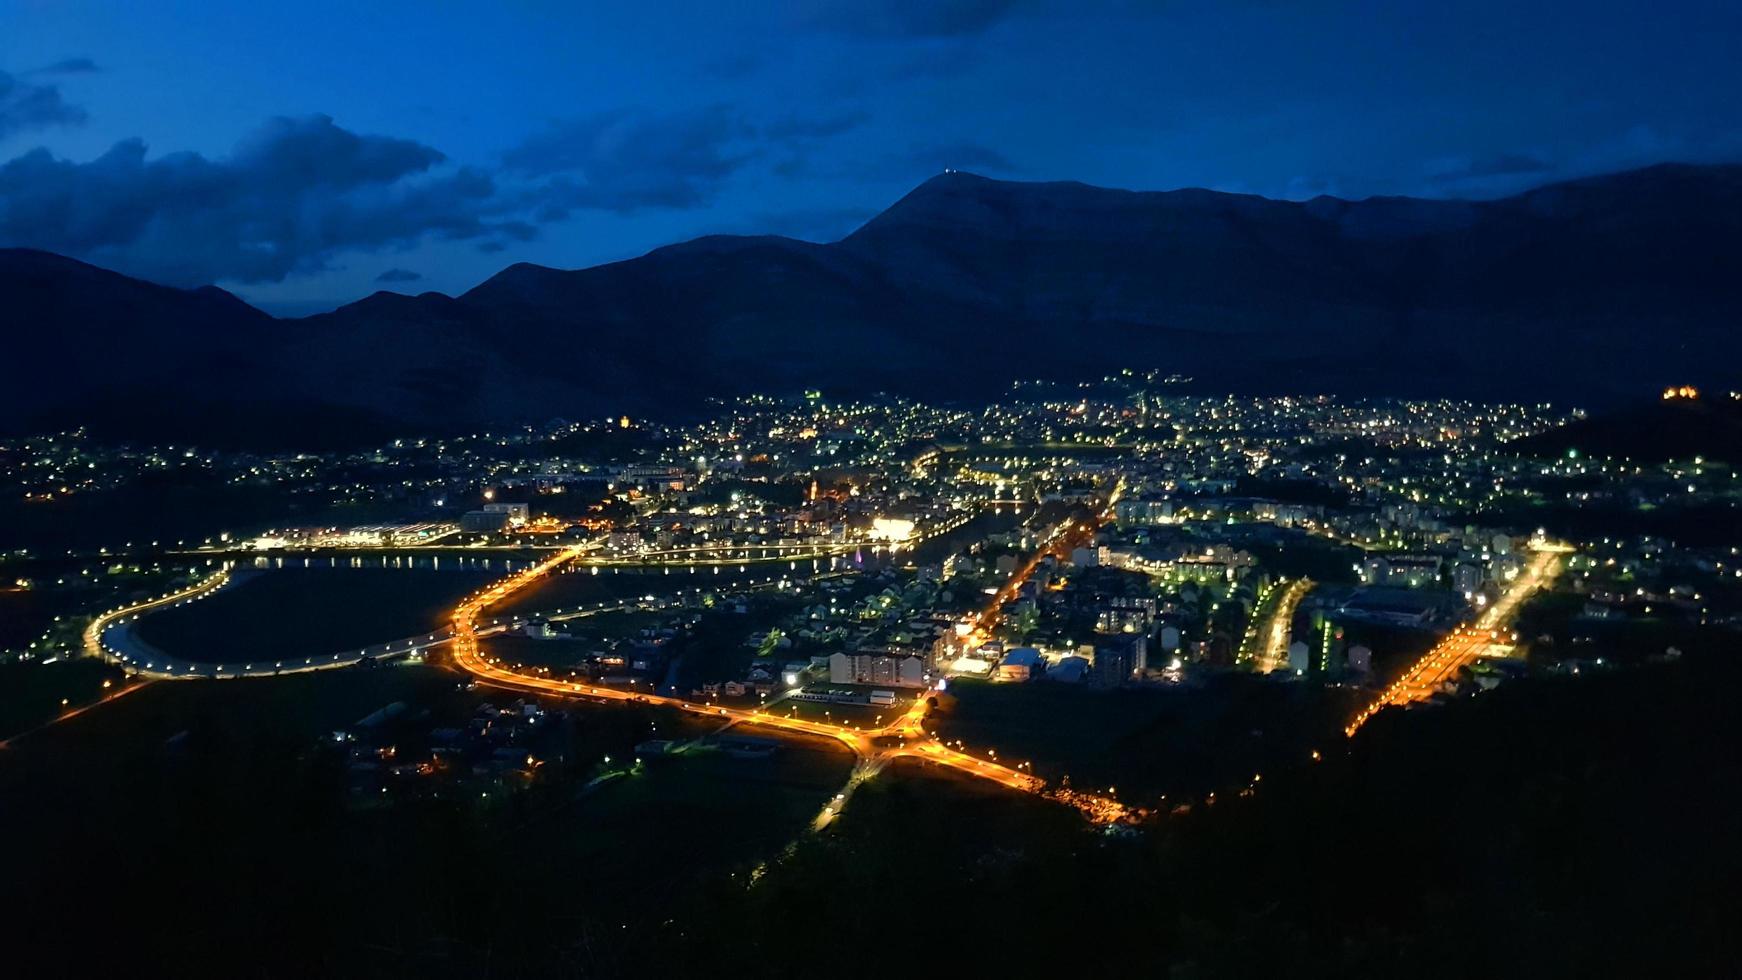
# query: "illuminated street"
[1266,642]
[1465,644]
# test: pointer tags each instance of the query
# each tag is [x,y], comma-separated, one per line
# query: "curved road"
[873,746]
[111,636]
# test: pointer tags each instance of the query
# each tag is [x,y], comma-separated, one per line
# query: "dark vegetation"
[181,506]
[1292,491]
[1714,523]
[1560,827]
[1568,827]
[1555,628]
[1148,742]
[201,830]
[32,694]
[1657,431]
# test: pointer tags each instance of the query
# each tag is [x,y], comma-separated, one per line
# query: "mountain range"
[1587,292]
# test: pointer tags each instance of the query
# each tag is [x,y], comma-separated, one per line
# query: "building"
[1360,659]
[484,521]
[1125,614]
[1395,607]
[1069,670]
[1466,579]
[1283,514]
[652,477]
[1406,571]
[1021,664]
[518,514]
[1119,659]
[1144,512]
[871,668]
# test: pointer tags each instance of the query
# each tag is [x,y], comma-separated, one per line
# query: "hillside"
[1709,427]
[1588,292]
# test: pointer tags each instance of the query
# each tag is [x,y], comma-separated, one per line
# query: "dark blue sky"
[307,154]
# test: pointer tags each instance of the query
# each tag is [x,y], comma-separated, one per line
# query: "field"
[1146,742]
[31,694]
[863,715]
[679,816]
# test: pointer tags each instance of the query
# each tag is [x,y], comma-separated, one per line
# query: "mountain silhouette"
[1587,292]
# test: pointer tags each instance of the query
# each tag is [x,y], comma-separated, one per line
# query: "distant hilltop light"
[1683,391]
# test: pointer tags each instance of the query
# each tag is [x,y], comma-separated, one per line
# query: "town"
[842,561]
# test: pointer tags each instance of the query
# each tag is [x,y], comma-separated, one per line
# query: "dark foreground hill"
[1707,427]
[1557,827]
[1587,291]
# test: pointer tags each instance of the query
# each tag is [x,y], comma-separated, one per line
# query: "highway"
[1465,644]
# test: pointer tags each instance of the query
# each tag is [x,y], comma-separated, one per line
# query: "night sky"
[306,154]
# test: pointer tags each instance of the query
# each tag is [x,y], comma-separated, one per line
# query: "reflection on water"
[508,566]
[733,564]
[424,562]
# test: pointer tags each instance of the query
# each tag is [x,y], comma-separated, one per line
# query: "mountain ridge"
[1587,290]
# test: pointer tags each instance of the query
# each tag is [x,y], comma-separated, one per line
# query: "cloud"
[801,129]
[399,275]
[69,66]
[942,59]
[26,106]
[1464,169]
[1301,187]
[957,156]
[733,66]
[811,224]
[885,19]
[625,161]
[1642,145]
[289,197]
[796,138]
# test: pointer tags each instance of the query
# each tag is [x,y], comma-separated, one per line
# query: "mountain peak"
[387,304]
